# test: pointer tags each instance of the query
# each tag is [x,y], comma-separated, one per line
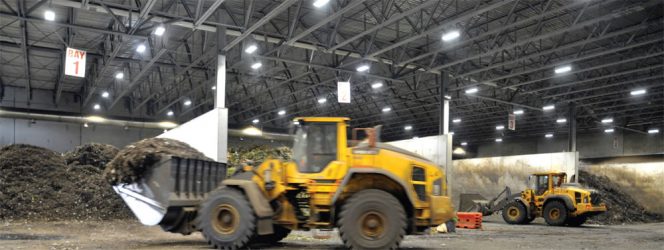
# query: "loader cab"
[318,141]
[543,182]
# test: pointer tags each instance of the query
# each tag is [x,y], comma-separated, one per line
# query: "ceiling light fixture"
[256,65]
[499,140]
[548,107]
[320,3]
[251,130]
[456,120]
[377,85]
[49,15]
[408,127]
[608,130]
[119,75]
[607,120]
[362,68]
[167,124]
[97,107]
[187,102]
[140,48]
[653,131]
[251,49]
[85,124]
[452,35]
[548,135]
[563,69]
[561,120]
[159,30]
[322,100]
[214,87]
[255,121]
[387,109]
[472,90]
[105,94]
[281,112]
[170,113]
[95,118]
[518,112]
[638,92]
[463,143]
[500,127]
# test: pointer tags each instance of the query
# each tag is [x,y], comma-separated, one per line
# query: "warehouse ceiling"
[504,60]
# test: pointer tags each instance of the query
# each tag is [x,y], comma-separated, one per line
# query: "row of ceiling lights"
[449,36]
[49,15]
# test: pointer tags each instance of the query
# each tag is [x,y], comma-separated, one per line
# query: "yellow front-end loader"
[375,194]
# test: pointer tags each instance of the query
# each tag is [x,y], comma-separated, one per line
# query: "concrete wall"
[619,143]
[63,137]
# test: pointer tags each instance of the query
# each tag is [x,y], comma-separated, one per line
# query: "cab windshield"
[315,146]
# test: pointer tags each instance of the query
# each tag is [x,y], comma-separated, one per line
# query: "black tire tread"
[522,211]
[360,197]
[204,223]
[564,213]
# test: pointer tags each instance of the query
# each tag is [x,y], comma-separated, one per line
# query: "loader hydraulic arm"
[498,203]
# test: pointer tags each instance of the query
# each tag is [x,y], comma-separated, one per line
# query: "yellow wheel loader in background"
[560,203]
[374,193]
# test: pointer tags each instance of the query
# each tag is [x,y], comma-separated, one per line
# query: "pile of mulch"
[94,154]
[621,208]
[133,161]
[239,156]
[35,183]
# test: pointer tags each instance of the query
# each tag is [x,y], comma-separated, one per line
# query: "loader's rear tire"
[515,213]
[577,221]
[227,220]
[555,213]
[372,219]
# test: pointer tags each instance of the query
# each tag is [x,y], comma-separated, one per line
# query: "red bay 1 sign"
[75,62]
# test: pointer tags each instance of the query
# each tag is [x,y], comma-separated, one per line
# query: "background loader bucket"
[471,202]
[171,185]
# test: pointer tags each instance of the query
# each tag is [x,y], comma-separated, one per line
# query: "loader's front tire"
[226,219]
[372,219]
[271,239]
[555,213]
[515,213]
[576,221]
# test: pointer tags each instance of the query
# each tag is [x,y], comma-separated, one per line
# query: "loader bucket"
[471,202]
[171,185]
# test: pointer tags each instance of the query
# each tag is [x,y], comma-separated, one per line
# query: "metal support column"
[445,139]
[571,139]
[220,98]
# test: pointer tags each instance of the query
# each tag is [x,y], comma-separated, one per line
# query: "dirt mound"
[133,161]
[35,183]
[622,208]
[95,154]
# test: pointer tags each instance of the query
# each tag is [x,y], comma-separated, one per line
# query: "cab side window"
[542,184]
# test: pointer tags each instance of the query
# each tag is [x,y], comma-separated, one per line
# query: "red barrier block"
[469,220]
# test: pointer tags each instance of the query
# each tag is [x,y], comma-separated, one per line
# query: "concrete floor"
[495,235]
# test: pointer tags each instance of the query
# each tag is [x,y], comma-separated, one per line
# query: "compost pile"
[94,154]
[133,161]
[237,157]
[622,209]
[35,183]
